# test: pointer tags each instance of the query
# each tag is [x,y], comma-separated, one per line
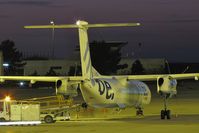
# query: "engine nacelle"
[167,85]
[64,87]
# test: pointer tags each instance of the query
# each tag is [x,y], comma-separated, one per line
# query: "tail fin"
[85,50]
[83,40]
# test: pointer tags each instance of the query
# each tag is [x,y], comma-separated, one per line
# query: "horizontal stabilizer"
[77,26]
[51,26]
[112,25]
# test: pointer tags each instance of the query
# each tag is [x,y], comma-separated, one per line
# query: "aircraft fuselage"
[113,92]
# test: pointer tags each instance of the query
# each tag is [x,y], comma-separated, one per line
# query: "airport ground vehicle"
[12,110]
[48,109]
[54,108]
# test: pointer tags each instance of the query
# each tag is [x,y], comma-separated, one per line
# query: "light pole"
[52,41]
[168,66]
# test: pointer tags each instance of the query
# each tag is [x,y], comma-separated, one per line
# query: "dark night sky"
[170,28]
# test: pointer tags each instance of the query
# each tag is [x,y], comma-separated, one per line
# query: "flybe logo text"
[105,88]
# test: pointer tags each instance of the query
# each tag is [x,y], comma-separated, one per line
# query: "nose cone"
[139,92]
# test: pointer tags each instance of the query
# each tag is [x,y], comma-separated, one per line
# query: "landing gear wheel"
[84,105]
[168,114]
[139,112]
[165,114]
[48,119]
[162,114]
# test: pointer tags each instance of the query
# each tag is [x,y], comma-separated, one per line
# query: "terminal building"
[43,67]
[149,65]
[62,67]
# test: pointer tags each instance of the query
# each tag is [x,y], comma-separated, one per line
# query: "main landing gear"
[165,113]
[139,112]
[84,105]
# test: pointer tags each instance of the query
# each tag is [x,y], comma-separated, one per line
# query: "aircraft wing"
[34,79]
[156,76]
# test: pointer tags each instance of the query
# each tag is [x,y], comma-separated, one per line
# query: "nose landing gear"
[165,113]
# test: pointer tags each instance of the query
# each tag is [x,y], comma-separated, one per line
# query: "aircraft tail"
[83,26]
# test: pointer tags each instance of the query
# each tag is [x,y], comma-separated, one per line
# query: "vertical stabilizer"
[84,50]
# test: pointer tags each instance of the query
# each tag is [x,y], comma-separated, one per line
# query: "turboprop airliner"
[102,91]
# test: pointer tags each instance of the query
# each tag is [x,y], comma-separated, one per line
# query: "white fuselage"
[112,92]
